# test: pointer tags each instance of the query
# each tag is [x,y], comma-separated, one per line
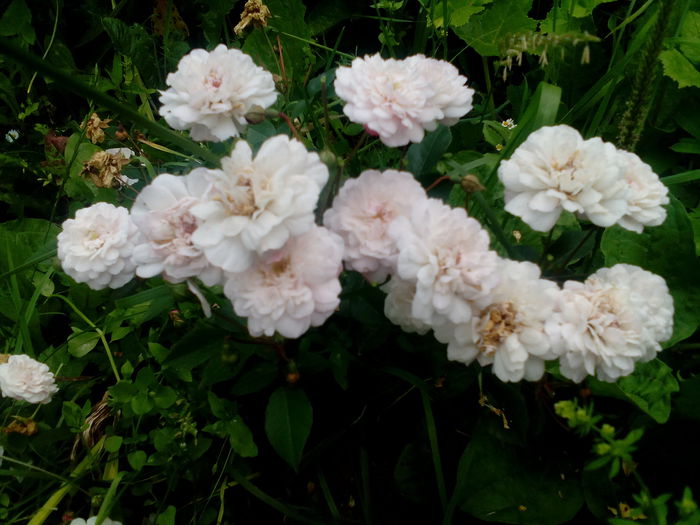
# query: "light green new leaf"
[288,421]
[679,68]
[486,31]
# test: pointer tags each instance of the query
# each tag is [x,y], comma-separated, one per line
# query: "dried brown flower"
[105,170]
[93,128]
[254,12]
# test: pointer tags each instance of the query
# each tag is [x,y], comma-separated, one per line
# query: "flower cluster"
[399,100]
[248,226]
[25,379]
[555,169]
[93,520]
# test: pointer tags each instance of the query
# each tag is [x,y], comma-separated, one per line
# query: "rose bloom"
[646,197]
[97,246]
[253,205]
[556,170]
[26,379]
[510,332]
[399,304]
[93,520]
[211,92]
[399,100]
[162,213]
[291,289]
[447,255]
[361,214]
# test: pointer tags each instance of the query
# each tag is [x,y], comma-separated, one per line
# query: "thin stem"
[437,182]
[495,227]
[289,123]
[99,332]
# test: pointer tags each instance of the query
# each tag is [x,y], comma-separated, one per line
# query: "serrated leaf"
[487,31]
[650,388]
[288,420]
[679,68]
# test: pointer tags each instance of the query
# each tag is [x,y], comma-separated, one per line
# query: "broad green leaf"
[241,438]
[141,404]
[113,443]
[669,251]
[459,11]
[164,397]
[82,343]
[583,8]
[288,421]
[505,484]
[167,517]
[423,157]
[679,68]
[328,13]
[487,31]
[17,20]
[137,459]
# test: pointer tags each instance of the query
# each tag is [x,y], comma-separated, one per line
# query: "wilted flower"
[93,127]
[447,255]
[211,92]
[556,170]
[97,246]
[162,213]
[399,100]
[104,169]
[254,12]
[254,205]
[291,289]
[362,212]
[26,379]
[646,196]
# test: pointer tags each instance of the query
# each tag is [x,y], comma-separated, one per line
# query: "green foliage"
[288,420]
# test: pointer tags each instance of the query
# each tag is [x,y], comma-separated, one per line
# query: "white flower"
[26,379]
[447,255]
[97,246]
[361,214]
[647,195]
[556,170]
[291,289]
[12,136]
[648,295]
[162,213]
[510,332]
[93,520]
[399,99]
[398,305]
[211,92]
[254,205]
[616,317]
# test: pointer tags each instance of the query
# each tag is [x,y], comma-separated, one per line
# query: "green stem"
[71,83]
[493,224]
[99,332]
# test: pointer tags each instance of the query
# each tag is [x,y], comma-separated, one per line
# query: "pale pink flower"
[291,289]
[25,379]
[399,303]
[211,92]
[646,197]
[361,214]
[254,205]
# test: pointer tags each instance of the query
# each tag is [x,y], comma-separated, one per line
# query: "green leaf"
[650,388]
[74,416]
[505,484]
[679,68]
[82,343]
[167,517]
[486,31]
[141,404]
[165,397]
[651,250]
[241,438]
[288,421]
[424,156]
[137,459]
[582,8]
[113,443]
[17,20]
[136,44]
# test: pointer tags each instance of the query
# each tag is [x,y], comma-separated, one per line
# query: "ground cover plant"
[410,261]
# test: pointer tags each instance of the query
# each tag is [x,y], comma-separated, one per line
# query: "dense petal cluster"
[25,379]
[253,205]
[554,170]
[361,214]
[447,255]
[399,100]
[93,520]
[211,92]
[398,305]
[601,323]
[291,289]
[646,195]
[162,213]
[97,246]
